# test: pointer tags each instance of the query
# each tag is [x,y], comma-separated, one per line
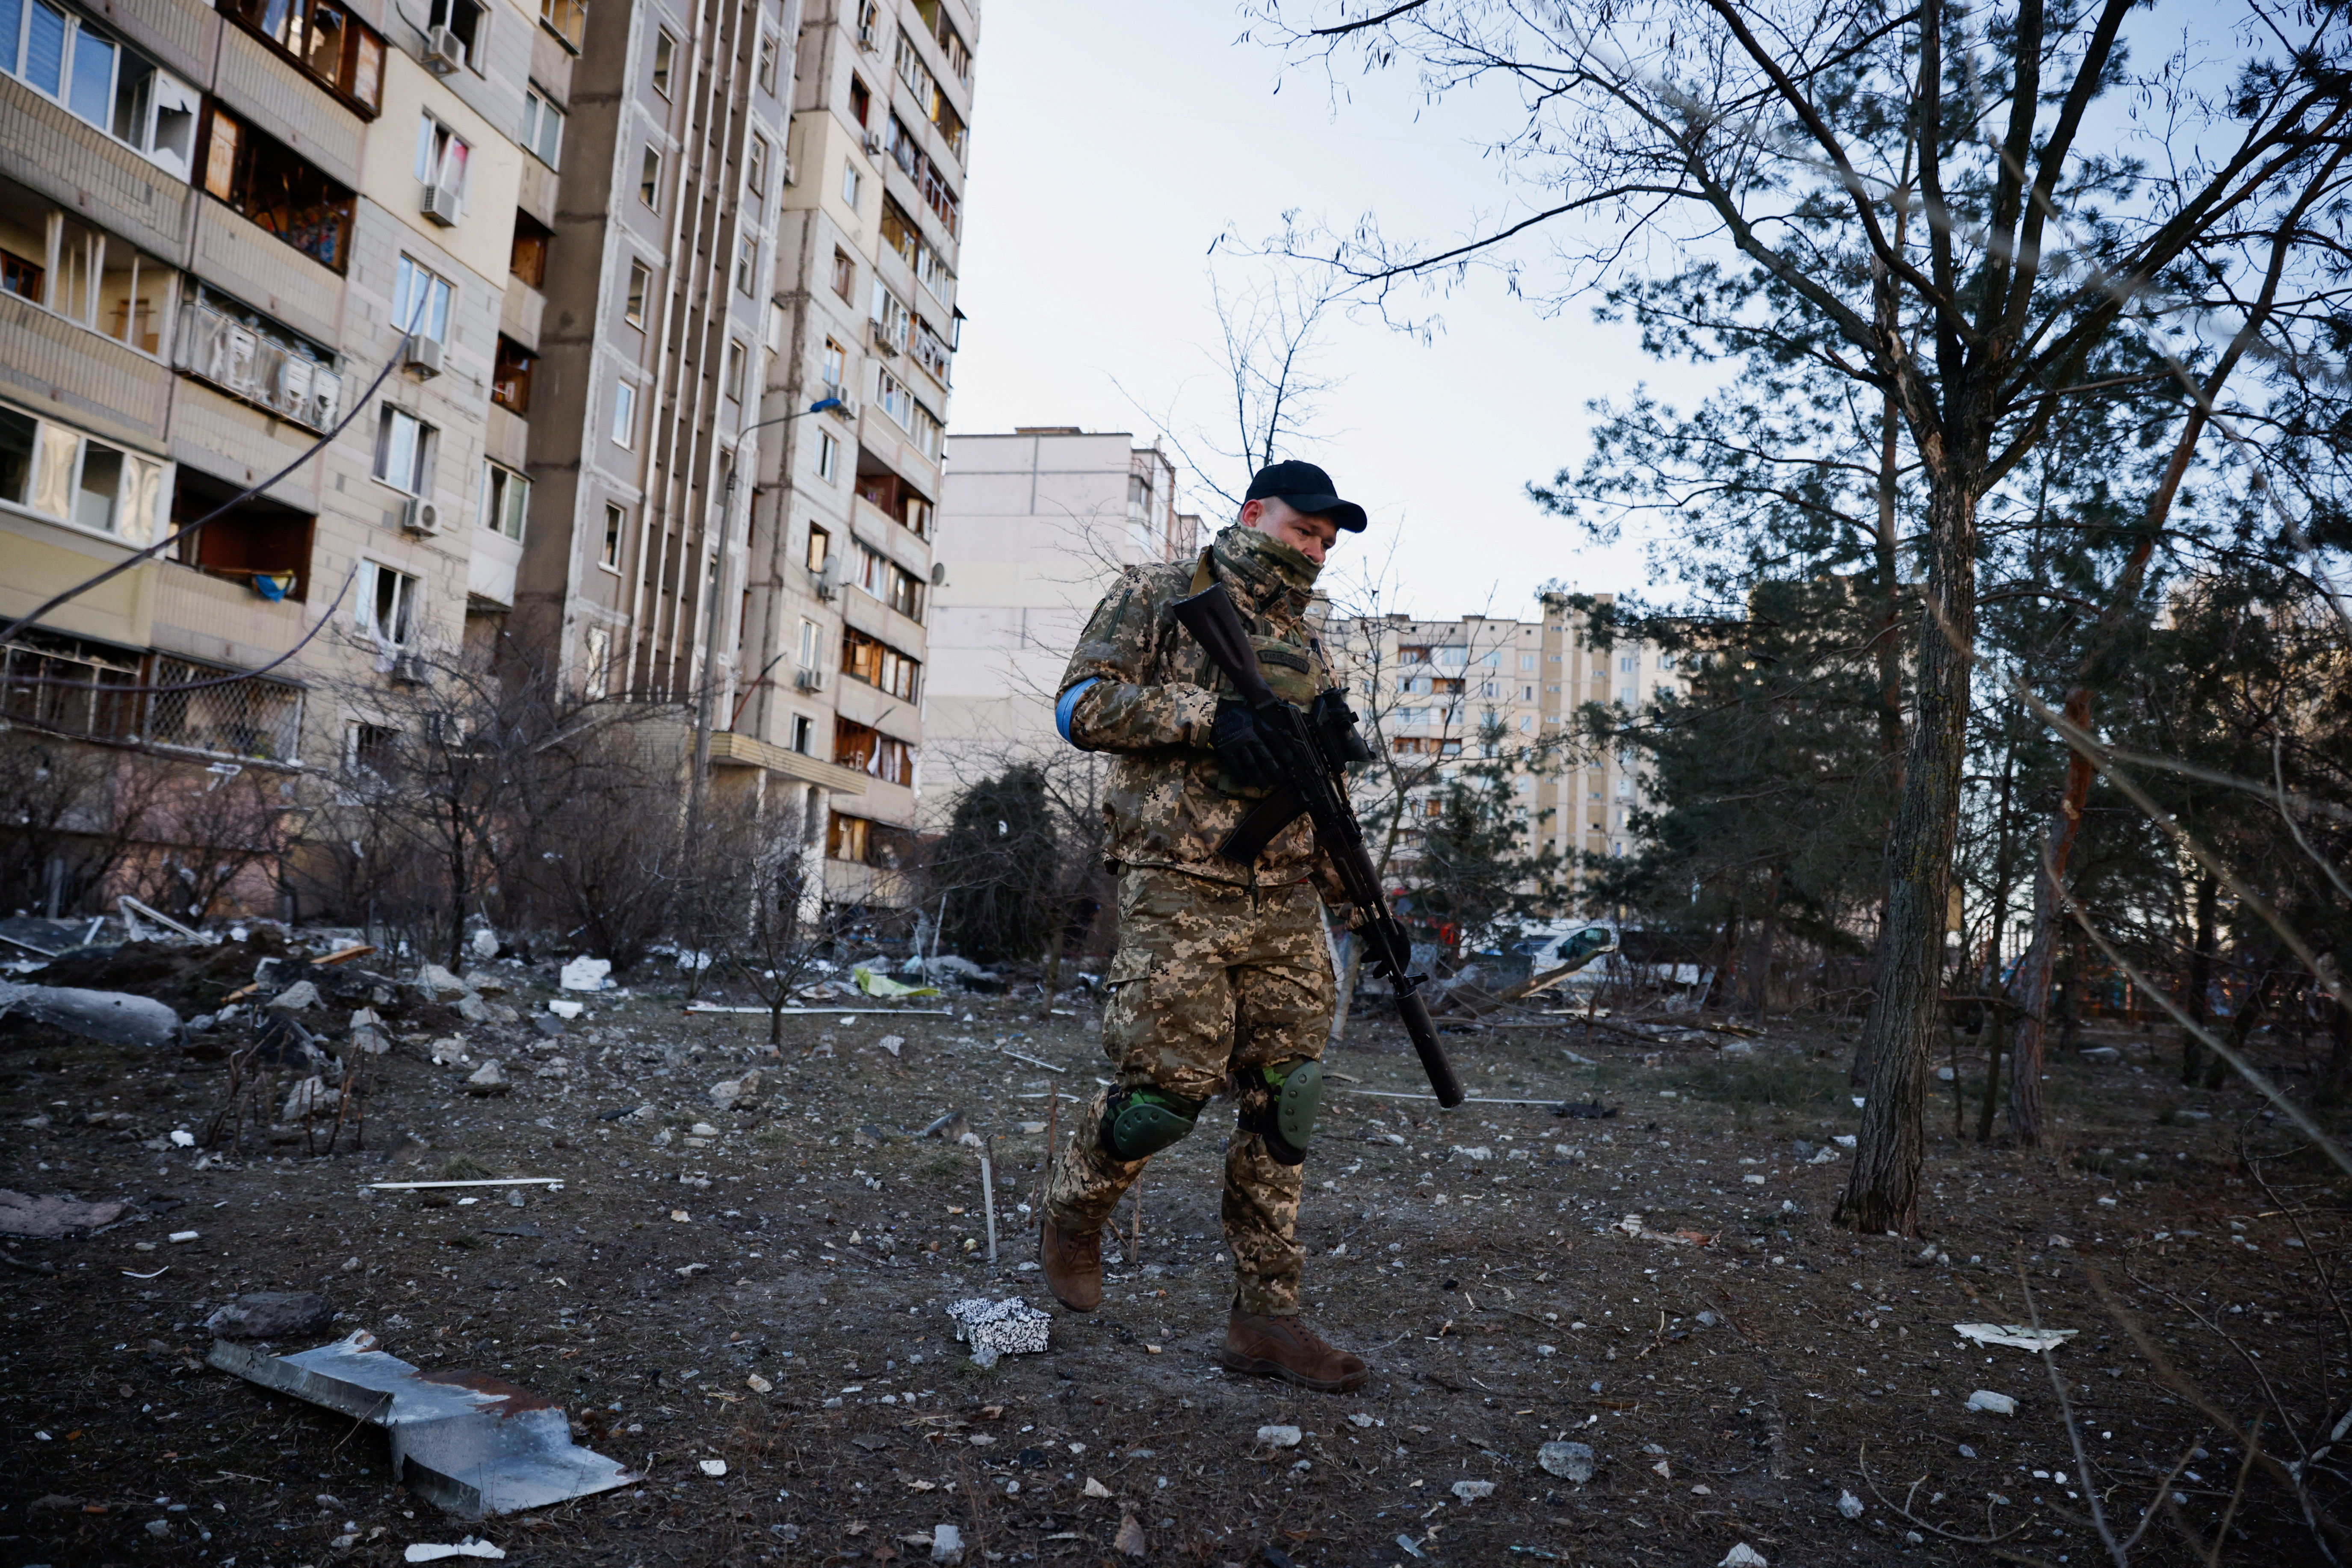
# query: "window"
[527,260]
[877,664]
[50,258]
[861,102]
[844,275]
[542,129]
[904,592]
[833,364]
[803,732]
[747,264]
[935,16]
[624,415]
[892,320]
[246,354]
[1453,657]
[465,21]
[55,471]
[616,520]
[404,451]
[420,301]
[828,456]
[263,181]
[101,79]
[665,51]
[506,499]
[900,231]
[1527,661]
[883,489]
[936,192]
[766,69]
[847,837]
[930,350]
[737,354]
[511,376]
[442,157]
[809,632]
[1627,663]
[850,183]
[871,752]
[567,19]
[649,179]
[755,171]
[929,433]
[896,400]
[321,36]
[1665,661]
[385,609]
[640,279]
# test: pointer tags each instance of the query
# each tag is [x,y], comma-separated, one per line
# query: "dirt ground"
[1663,1284]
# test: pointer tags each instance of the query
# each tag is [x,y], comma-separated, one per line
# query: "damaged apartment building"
[473,309]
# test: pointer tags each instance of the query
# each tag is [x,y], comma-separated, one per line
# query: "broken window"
[442,158]
[527,260]
[732,381]
[98,78]
[82,273]
[259,543]
[881,488]
[567,19]
[506,499]
[324,38]
[877,664]
[847,837]
[266,182]
[664,52]
[746,265]
[465,22]
[828,456]
[245,353]
[615,523]
[69,686]
[938,195]
[404,451]
[833,364]
[873,754]
[951,44]
[56,471]
[844,275]
[861,102]
[542,129]
[511,376]
[766,69]
[640,279]
[385,609]
[820,545]
[420,301]
[804,732]
[649,179]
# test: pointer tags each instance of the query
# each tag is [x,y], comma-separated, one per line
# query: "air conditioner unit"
[792,175]
[874,143]
[445,51]
[425,355]
[880,341]
[809,680]
[407,670]
[828,577]
[848,408]
[440,205]
[420,516]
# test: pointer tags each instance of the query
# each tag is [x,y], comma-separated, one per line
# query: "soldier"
[1222,980]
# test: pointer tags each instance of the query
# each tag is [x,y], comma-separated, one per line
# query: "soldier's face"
[1309,533]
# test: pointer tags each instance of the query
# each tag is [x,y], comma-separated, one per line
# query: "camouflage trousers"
[1210,981]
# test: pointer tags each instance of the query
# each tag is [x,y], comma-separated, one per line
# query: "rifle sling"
[1269,816]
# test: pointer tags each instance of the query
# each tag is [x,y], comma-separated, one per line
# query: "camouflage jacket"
[1140,687]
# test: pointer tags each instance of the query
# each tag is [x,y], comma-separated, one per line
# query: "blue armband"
[1068,704]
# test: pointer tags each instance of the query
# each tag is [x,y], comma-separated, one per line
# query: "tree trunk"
[2201,980]
[2336,1087]
[1883,1192]
[1760,975]
[1998,1031]
[2033,972]
[1720,987]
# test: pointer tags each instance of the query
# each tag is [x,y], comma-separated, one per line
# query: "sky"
[1111,144]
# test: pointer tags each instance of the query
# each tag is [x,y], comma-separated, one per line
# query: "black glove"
[1335,725]
[1241,746]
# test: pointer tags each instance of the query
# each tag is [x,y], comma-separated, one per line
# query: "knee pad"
[1286,1121]
[1141,1121]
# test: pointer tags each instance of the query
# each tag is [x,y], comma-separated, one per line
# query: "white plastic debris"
[714,1468]
[1742,1556]
[2024,1339]
[1096,1489]
[563,1009]
[1849,1505]
[993,1329]
[183,1139]
[947,1543]
[1279,1436]
[182,1236]
[587,975]
[434,1551]
[1992,1403]
[891,1043]
[1569,1461]
[1471,1491]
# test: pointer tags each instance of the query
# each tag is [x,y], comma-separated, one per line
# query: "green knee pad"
[1141,1121]
[1295,1093]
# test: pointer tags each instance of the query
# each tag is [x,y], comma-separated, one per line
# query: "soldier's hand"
[1241,746]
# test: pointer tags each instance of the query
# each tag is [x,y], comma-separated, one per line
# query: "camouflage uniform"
[1221,969]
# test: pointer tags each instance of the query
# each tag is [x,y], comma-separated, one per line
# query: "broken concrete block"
[49,1219]
[473,1009]
[563,1009]
[891,1043]
[728,1093]
[587,975]
[449,1049]
[299,997]
[549,1028]
[308,1098]
[947,1543]
[1472,1492]
[1280,1436]
[489,1079]
[482,983]
[471,1444]
[368,1033]
[1569,1461]
[1992,1403]
[110,1017]
[436,981]
[273,1315]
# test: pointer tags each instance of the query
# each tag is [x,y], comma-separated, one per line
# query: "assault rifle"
[1311,782]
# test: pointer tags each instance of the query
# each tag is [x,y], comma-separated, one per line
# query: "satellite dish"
[938,574]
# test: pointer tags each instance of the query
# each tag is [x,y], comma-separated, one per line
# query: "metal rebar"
[987,1191]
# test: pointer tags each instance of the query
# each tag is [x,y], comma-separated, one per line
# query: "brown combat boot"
[1288,1349]
[1073,1265]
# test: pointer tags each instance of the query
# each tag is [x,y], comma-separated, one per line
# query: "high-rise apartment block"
[1033,527]
[1438,690]
[558,285]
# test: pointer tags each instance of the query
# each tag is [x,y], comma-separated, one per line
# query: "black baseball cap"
[1308,488]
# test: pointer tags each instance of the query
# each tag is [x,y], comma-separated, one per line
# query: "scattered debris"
[1472,1492]
[729,1093]
[994,1329]
[714,1468]
[432,1551]
[109,1017]
[1742,1556]
[1569,1461]
[892,1043]
[952,1127]
[1279,1436]
[587,975]
[1129,1542]
[2024,1339]
[947,1543]
[874,985]
[1849,1505]
[1095,1488]
[1992,1403]
[273,1315]
[489,1079]
[553,1183]
[469,1442]
[48,1219]
[1589,1111]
